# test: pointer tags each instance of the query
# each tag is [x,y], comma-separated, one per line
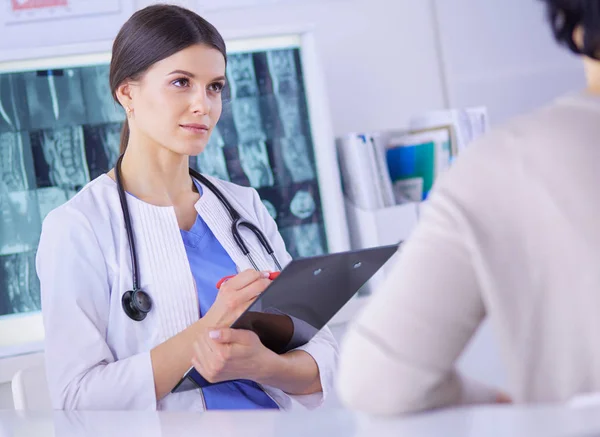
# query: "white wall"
[502,54]
[6,400]
[19,39]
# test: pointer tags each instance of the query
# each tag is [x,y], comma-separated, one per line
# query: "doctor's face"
[177,102]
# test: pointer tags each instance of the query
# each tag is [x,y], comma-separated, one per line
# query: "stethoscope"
[136,302]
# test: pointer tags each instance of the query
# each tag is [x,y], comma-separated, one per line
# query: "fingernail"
[265,274]
[214,334]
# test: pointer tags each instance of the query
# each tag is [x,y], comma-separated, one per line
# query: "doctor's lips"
[195,128]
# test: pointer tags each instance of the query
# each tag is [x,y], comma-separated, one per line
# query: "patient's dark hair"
[566,15]
[152,34]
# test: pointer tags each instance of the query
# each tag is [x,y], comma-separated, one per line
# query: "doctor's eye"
[216,87]
[182,82]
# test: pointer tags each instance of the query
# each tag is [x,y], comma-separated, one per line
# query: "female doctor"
[128,266]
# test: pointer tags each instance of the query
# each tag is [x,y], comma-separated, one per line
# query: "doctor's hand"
[234,297]
[228,354]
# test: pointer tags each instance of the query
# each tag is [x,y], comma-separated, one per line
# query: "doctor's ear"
[124,95]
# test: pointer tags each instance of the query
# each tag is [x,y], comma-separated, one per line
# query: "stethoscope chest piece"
[136,304]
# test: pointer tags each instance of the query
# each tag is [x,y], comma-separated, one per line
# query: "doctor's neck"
[155,174]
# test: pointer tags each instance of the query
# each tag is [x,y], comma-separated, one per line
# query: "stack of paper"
[365,177]
[465,125]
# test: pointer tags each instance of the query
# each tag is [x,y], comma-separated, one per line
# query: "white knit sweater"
[511,232]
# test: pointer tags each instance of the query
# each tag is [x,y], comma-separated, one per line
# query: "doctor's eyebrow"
[192,75]
[183,72]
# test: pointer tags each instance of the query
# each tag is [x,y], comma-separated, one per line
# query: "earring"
[129,110]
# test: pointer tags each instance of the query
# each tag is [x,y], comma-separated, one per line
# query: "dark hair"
[566,15]
[152,34]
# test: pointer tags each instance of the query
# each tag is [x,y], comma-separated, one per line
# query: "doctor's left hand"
[227,354]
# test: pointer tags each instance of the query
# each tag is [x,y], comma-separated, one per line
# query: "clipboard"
[302,300]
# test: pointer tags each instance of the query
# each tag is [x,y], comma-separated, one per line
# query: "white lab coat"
[96,356]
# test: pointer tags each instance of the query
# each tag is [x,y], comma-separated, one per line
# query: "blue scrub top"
[210,262]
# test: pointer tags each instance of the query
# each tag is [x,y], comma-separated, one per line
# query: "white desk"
[479,422]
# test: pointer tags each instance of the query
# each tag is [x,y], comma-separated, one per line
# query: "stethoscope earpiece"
[136,304]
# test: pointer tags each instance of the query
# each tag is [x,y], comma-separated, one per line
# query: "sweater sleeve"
[399,354]
[81,369]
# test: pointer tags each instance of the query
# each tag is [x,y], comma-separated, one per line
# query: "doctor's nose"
[201,103]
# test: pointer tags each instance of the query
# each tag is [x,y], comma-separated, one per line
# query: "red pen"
[272,275]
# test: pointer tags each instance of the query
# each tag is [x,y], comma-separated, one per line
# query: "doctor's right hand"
[235,296]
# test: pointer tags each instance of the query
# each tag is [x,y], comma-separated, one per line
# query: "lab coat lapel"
[164,266]
[218,220]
